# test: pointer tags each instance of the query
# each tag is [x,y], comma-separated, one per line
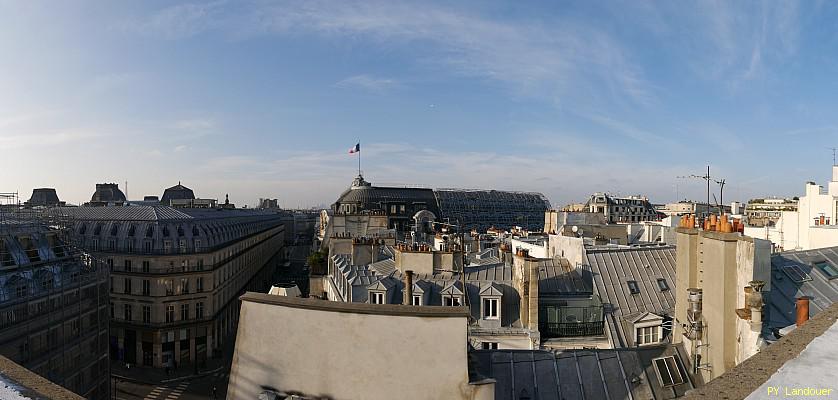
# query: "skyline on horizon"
[263,99]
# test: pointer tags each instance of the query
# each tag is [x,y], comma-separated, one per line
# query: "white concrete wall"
[537,250]
[329,352]
[784,234]
[571,248]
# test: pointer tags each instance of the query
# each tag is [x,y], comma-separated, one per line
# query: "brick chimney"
[408,287]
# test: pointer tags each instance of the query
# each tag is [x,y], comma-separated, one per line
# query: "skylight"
[796,273]
[828,269]
[663,285]
[633,288]
[668,371]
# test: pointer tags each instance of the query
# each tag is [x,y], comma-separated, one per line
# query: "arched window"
[114,229]
[149,232]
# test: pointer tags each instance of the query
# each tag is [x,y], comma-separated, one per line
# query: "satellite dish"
[575,229]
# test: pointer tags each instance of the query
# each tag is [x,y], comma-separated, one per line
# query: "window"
[147,314]
[184,285]
[127,265]
[376,297]
[184,312]
[452,301]
[490,345]
[663,285]
[112,311]
[167,246]
[199,310]
[146,266]
[796,273]
[127,286]
[648,335]
[828,269]
[490,308]
[147,246]
[633,288]
[668,371]
[127,311]
[417,300]
[146,287]
[110,264]
[170,313]
[199,284]
[200,260]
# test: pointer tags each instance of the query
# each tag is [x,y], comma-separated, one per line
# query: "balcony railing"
[570,329]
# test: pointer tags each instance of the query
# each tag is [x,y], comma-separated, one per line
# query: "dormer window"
[633,287]
[491,309]
[663,285]
[452,301]
[377,298]
[490,295]
[417,300]
[648,329]
[648,335]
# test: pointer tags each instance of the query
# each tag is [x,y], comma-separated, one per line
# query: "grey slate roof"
[556,277]
[613,268]
[577,374]
[153,213]
[784,291]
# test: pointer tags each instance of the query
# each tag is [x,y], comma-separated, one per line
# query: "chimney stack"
[408,287]
[802,310]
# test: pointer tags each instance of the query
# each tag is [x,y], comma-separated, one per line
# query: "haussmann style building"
[53,307]
[176,274]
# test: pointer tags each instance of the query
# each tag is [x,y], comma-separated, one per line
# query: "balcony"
[559,320]
[551,330]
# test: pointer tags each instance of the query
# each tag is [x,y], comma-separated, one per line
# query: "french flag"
[355,149]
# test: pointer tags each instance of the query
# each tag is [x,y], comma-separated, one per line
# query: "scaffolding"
[53,299]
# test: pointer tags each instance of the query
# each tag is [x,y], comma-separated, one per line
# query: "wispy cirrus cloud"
[368,83]
[47,138]
[532,58]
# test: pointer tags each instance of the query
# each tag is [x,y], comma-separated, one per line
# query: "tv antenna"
[834,154]
[708,179]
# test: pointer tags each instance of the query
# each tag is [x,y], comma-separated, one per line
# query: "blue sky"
[263,99]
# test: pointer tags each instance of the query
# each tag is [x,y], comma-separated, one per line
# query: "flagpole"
[359,158]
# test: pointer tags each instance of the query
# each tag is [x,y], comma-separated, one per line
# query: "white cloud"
[530,57]
[46,139]
[179,21]
[368,83]
[194,124]
[180,148]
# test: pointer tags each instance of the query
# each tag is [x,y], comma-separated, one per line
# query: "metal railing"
[570,329]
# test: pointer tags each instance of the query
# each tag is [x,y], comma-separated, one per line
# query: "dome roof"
[373,197]
[107,193]
[44,197]
[177,192]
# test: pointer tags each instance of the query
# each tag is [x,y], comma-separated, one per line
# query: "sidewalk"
[157,376]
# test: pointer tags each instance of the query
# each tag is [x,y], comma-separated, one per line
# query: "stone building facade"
[53,308]
[176,275]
